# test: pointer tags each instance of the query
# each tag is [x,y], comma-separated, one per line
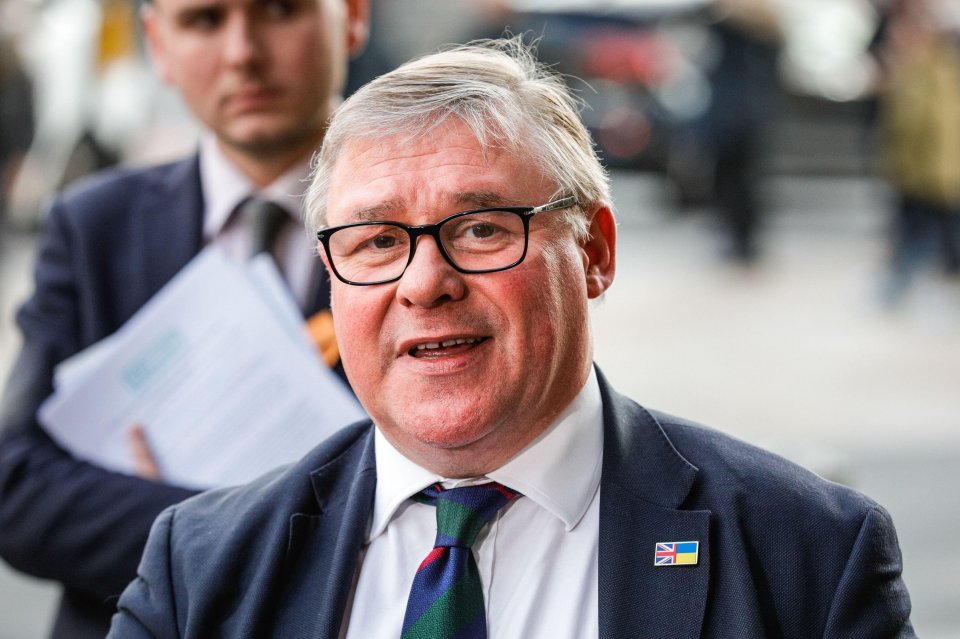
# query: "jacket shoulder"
[250,514]
[221,563]
[123,179]
[738,475]
[101,196]
[777,528]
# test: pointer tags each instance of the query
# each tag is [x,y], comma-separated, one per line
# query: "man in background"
[744,87]
[918,55]
[503,488]
[262,77]
[16,117]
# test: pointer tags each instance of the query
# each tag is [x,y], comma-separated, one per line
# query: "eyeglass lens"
[480,241]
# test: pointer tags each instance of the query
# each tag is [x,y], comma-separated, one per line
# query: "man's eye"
[202,19]
[279,8]
[383,242]
[481,231]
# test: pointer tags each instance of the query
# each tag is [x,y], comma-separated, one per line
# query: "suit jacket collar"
[325,540]
[169,220]
[643,486]
[169,214]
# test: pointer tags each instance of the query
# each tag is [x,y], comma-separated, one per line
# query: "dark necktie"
[265,220]
[446,599]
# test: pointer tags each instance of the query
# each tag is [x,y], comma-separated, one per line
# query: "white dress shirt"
[224,187]
[537,558]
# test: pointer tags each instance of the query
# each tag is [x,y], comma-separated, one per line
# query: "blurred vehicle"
[644,66]
[635,64]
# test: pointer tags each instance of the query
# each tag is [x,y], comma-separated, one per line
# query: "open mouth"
[445,348]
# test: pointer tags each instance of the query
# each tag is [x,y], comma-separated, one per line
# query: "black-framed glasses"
[478,241]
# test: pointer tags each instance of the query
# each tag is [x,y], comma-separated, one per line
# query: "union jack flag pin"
[677,553]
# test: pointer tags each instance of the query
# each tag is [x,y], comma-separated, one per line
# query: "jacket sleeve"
[147,608]
[871,600]
[60,518]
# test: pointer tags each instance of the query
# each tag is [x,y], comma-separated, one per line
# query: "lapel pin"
[677,553]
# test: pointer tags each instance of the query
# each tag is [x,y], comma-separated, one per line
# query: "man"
[503,488]
[743,86]
[262,76]
[16,116]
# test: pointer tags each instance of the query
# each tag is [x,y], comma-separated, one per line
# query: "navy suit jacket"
[783,553]
[107,247]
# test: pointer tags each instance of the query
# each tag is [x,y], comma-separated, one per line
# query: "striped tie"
[446,599]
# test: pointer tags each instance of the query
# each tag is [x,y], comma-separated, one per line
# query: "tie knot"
[463,512]
[265,219]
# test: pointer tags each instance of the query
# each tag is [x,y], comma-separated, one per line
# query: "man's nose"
[241,46]
[430,280]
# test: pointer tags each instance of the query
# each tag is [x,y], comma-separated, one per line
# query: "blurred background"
[787,183]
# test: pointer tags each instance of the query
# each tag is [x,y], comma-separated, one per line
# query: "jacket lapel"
[170,219]
[643,485]
[323,548]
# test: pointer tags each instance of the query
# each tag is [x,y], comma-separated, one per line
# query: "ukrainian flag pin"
[677,553]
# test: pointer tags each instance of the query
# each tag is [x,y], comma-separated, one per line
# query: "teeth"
[448,343]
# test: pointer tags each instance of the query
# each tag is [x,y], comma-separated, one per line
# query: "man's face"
[261,74]
[466,408]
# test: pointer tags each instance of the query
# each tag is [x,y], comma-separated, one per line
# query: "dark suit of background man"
[262,76]
[474,361]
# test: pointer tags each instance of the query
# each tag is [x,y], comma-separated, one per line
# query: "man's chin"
[451,433]
[269,138]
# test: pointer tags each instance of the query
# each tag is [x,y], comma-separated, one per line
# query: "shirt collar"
[560,470]
[225,186]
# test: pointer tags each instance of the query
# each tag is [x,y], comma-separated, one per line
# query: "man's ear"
[599,252]
[358,25]
[151,30]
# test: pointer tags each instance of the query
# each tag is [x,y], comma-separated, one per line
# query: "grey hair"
[500,91]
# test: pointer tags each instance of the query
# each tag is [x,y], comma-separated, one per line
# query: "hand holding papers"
[217,370]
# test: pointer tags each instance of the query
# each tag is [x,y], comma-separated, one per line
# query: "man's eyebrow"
[483,199]
[186,16]
[390,209]
[377,212]
[197,7]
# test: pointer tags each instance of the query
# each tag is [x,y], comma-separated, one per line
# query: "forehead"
[441,172]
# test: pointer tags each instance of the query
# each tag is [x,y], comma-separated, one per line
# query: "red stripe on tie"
[435,554]
[503,490]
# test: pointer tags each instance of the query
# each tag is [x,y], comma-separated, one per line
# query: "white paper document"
[217,370]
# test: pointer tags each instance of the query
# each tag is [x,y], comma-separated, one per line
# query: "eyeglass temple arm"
[556,205]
